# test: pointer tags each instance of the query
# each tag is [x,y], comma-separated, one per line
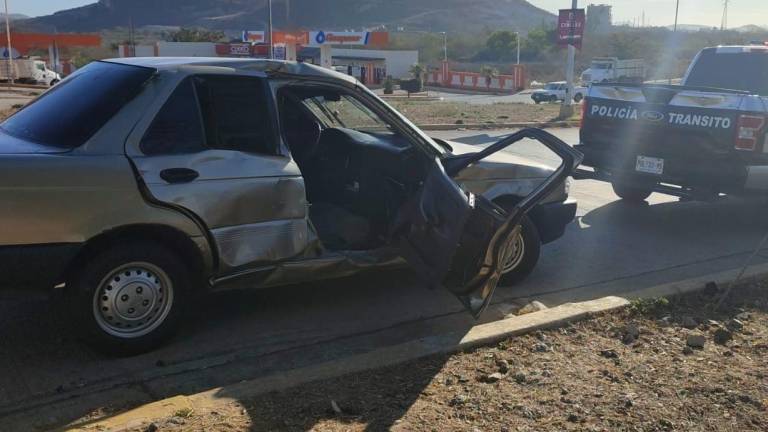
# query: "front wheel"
[631,192]
[524,250]
[578,97]
[129,298]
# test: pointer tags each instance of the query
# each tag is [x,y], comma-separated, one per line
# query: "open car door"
[457,240]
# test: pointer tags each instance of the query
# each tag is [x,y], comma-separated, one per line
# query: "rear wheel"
[632,192]
[130,298]
[578,97]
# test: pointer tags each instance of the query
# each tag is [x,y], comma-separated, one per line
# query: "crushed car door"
[457,240]
[212,150]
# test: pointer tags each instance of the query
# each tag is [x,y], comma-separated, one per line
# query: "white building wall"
[186,49]
[398,62]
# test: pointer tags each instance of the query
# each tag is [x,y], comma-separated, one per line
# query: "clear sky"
[657,12]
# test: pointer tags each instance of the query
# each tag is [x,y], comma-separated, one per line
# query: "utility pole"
[445,46]
[9,48]
[724,24]
[566,110]
[677,14]
[517,34]
[269,30]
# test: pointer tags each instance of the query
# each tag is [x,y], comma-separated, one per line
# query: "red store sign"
[570,27]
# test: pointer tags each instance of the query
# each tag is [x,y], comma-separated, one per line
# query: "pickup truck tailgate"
[673,134]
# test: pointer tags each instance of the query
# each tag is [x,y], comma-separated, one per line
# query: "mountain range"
[423,15]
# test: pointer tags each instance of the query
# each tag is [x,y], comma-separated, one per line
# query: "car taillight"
[748,132]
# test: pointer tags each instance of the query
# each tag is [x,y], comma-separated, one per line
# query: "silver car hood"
[499,166]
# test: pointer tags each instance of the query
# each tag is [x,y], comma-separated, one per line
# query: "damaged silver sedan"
[136,184]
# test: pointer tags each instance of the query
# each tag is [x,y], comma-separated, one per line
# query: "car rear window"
[745,71]
[69,114]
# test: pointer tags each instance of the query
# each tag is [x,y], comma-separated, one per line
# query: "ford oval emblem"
[653,116]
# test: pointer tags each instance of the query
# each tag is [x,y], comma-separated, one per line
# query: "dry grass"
[588,376]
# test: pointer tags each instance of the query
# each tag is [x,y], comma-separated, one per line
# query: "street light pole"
[9,48]
[269,30]
[518,46]
[445,46]
[567,108]
[677,13]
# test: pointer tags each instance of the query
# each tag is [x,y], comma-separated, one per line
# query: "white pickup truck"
[555,92]
[698,140]
[29,71]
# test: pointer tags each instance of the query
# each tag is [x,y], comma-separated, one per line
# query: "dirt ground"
[629,371]
[439,112]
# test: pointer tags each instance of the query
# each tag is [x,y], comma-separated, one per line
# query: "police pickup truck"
[699,140]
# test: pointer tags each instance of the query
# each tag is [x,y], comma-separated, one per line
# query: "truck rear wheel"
[631,192]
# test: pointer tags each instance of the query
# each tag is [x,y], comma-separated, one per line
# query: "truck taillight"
[584,104]
[748,132]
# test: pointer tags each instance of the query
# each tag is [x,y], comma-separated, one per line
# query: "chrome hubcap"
[514,253]
[133,300]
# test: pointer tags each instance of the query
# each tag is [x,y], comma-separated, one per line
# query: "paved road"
[613,248]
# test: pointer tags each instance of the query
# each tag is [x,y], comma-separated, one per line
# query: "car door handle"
[179,175]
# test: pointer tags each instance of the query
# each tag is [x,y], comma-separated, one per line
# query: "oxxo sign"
[319,38]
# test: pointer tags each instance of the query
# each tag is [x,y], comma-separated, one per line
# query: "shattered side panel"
[266,242]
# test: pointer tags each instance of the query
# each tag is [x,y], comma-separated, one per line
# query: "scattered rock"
[744,316]
[151,428]
[335,407]
[728,354]
[722,336]
[687,350]
[459,122]
[503,366]
[542,347]
[609,354]
[449,381]
[177,421]
[632,329]
[713,323]
[689,322]
[532,307]
[666,424]
[491,378]
[734,325]
[520,378]
[696,340]
[458,400]
[573,418]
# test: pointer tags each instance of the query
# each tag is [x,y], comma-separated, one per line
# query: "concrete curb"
[485,126]
[441,344]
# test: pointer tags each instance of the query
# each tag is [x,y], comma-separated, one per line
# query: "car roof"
[241,64]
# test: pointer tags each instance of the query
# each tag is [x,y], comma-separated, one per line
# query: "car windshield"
[718,70]
[69,114]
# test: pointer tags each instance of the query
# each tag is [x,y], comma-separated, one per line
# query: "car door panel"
[457,240]
[254,204]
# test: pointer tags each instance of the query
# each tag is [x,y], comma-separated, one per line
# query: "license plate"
[650,165]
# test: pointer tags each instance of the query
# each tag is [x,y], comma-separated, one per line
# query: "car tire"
[53,83]
[633,193]
[537,101]
[578,97]
[521,263]
[129,298]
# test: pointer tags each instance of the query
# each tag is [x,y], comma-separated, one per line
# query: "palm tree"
[418,70]
[489,72]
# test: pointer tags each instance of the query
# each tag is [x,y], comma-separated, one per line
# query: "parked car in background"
[611,69]
[29,71]
[706,137]
[555,92]
[137,184]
